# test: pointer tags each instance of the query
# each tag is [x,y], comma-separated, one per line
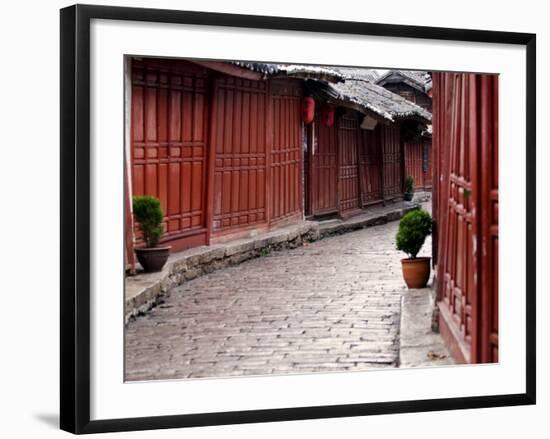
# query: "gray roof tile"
[293,70]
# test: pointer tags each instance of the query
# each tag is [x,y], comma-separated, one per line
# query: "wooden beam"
[230,69]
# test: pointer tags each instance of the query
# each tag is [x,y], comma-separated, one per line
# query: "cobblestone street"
[332,305]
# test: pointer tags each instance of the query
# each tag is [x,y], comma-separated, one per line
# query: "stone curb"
[419,345]
[364,221]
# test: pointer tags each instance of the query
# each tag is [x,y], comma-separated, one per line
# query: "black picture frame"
[75,217]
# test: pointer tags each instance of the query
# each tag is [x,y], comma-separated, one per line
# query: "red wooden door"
[324,169]
[286,154]
[466,212]
[239,139]
[414,161]
[392,161]
[370,165]
[348,165]
[169,144]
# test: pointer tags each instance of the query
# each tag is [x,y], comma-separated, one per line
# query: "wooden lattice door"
[466,212]
[348,166]
[392,160]
[324,169]
[370,167]
[239,141]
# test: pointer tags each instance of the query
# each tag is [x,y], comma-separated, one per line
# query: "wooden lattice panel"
[466,212]
[169,141]
[348,174]
[370,166]
[239,139]
[286,153]
[392,161]
[324,177]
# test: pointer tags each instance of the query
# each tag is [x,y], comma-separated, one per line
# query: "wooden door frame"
[339,162]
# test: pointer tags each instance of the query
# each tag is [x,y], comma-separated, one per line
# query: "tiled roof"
[293,70]
[349,86]
[358,73]
[363,95]
[415,78]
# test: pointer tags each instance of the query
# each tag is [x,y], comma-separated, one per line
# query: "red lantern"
[308,110]
[327,115]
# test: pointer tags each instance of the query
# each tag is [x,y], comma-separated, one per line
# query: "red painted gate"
[414,162]
[418,163]
[466,213]
[370,167]
[348,126]
[324,169]
[286,153]
[239,140]
[392,161]
[168,147]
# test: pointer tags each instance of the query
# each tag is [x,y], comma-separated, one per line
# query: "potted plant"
[409,188]
[149,216]
[414,227]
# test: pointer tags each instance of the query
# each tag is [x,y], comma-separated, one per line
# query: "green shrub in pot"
[413,230]
[149,216]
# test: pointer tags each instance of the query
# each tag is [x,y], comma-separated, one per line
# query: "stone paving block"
[332,305]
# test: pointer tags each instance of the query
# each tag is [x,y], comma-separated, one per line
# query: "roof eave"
[415,117]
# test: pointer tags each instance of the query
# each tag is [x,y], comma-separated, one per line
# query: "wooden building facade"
[225,149]
[223,153]
[465,210]
[350,167]
[414,86]
[360,159]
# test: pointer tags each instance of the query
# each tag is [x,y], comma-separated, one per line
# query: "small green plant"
[409,184]
[149,215]
[414,227]
[265,251]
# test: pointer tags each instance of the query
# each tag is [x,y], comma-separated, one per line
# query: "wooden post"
[211,157]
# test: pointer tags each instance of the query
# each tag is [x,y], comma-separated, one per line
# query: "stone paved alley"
[333,305]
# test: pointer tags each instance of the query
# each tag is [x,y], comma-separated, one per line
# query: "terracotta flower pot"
[153,259]
[416,272]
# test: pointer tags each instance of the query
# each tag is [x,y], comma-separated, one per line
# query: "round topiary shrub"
[414,227]
[149,215]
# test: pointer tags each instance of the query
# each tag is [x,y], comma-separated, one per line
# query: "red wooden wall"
[392,160]
[370,166]
[416,153]
[169,144]
[465,208]
[223,154]
[324,169]
[286,153]
[354,167]
[239,142]
[348,166]
[413,163]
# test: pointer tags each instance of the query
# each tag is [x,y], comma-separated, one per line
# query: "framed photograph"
[274,218]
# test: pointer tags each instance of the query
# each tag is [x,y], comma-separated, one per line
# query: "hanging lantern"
[308,110]
[327,115]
